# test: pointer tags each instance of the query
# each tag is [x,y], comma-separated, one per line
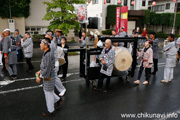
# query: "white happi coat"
[27,48]
[148,57]
[109,58]
[171,52]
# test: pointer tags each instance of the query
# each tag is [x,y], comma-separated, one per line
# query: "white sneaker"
[62,93]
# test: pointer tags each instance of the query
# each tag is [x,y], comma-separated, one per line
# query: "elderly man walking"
[9,50]
[107,59]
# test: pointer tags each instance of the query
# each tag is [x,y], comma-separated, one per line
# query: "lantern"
[154,3]
[132,2]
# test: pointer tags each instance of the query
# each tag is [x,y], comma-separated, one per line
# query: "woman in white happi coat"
[146,63]
[47,73]
[171,52]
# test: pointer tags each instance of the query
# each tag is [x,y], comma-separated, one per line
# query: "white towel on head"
[6,30]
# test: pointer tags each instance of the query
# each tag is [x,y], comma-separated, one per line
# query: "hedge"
[37,37]
[19,8]
[107,32]
[111,14]
[152,18]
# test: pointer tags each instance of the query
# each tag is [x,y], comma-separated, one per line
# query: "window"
[149,8]
[178,7]
[108,1]
[158,8]
[38,29]
[35,30]
[95,2]
[36,33]
[125,2]
[167,6]
[27,29]
[143,2]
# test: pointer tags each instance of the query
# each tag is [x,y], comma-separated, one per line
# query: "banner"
[124,18]
[81,11]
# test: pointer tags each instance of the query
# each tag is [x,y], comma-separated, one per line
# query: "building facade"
[97,12]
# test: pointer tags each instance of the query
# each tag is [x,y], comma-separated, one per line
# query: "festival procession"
[73,59]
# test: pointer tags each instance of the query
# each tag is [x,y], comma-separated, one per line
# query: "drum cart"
[92,73]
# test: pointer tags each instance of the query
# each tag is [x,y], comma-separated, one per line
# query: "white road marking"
[69,74]
[31,61]
[34,87]
[6,82]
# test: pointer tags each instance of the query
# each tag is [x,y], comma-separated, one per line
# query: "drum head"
[123,59]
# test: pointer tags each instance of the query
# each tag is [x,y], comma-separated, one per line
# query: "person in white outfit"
[171,52]
[58,84]
[47,74]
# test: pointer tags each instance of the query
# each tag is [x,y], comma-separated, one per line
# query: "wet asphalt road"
[23,99]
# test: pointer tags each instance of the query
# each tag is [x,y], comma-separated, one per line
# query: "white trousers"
[58,84]
[51,98]
[168,73]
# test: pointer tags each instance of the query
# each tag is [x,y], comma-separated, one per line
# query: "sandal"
[145,82]
[137,82]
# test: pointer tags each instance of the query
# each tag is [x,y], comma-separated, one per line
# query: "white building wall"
[37,12]
[163,2]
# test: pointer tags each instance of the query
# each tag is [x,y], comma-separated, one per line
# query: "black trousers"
[155,61]
[64,69]
[179,56]
[19,55]
[28,61]
[101,79]
[3,61]
[147,72]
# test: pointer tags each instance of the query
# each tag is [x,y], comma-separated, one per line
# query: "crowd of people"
[149,57]
[15,49]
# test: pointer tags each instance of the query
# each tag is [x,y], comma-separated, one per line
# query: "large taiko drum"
[123,59]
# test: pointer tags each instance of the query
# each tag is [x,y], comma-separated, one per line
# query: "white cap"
[6,30]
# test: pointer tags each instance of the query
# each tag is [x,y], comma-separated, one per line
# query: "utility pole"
[174,23]
[10,16]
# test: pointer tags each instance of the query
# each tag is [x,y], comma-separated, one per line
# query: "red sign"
[124,18]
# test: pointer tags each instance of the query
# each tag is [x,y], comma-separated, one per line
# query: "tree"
[61,14]
[19,8]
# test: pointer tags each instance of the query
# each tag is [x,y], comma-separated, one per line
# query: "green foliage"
[161,35]
[111,14]
[165,19]
[37,37]
[146,18]
[177,20]
[19,8]
[63,17]
[154,18]
[107,32]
